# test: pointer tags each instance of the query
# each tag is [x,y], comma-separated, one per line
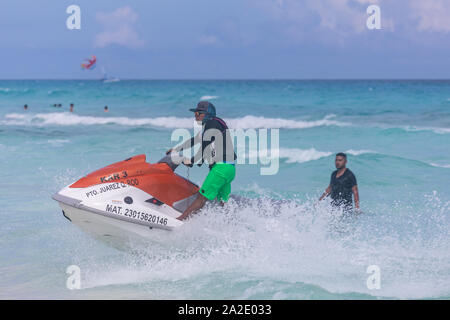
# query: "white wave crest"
[295,155]
[208,97]
[304,155]
[253,122]
[434,129]
[440,165]
[7,90]
[69,119]
[301,156]
[247,122]
[358,152]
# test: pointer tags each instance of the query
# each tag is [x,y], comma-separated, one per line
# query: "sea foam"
[246,122]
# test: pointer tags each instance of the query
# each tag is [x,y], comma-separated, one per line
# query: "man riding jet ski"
[220,156]
[133,198]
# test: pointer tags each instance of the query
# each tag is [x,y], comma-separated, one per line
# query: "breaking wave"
[247,122]
[439,165]
[305,155]
[296,155]
[208,97]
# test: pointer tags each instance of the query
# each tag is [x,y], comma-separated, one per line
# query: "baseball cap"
[205,107]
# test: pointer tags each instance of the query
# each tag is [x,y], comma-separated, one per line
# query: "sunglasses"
[197,113]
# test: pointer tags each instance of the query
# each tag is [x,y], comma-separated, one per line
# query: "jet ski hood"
[157,179]
[128,197]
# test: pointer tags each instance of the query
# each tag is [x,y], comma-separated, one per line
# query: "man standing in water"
[71,107]
[342,185]
[217,148]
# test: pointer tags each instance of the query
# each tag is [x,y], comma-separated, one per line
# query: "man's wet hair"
[341,154]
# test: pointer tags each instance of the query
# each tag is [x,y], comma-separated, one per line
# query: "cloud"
[335,20]
[208,40]
[433,15]
[227,33]
[341,17]
[338,16]
[347,17]
[118,29]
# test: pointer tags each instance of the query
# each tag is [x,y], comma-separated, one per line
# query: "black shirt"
[341,188]
[225,153]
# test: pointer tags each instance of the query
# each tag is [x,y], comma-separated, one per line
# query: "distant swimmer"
[25,107]
[105,108]
[71,107]
[342,185]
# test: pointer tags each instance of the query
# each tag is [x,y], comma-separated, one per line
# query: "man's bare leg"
[198,203]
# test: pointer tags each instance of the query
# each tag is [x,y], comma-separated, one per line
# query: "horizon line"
[233,79]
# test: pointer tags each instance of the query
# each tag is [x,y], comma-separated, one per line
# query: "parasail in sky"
[89,64]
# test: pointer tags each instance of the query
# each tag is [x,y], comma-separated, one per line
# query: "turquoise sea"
[396,135]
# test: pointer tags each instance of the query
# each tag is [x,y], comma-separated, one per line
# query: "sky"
[226,39]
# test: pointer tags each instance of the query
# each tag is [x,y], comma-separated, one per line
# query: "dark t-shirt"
[341,188]
[220,153]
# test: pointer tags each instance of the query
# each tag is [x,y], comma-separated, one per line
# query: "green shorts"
[218,182]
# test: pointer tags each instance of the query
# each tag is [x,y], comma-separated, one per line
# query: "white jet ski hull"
[117,233]
[129,200]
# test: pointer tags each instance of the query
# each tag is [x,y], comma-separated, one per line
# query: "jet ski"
[129,199]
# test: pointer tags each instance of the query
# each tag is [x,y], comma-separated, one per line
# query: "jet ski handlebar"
[173,160]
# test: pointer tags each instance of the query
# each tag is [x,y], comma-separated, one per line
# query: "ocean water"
[397,136]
